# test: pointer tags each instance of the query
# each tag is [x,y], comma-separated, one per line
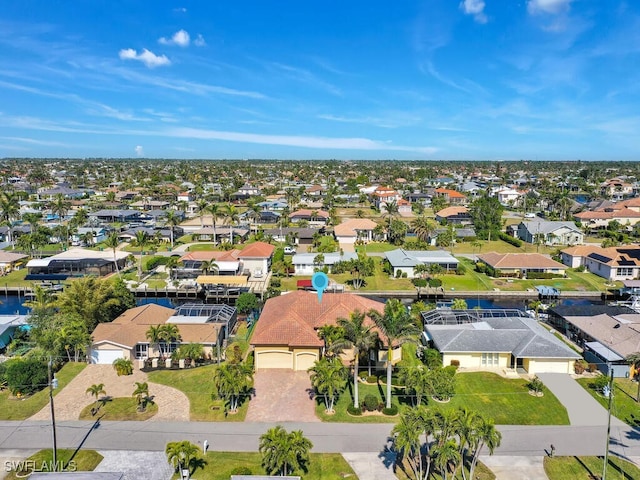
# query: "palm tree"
[328,377]
[96,390]
[112,242]
[154,335]
[329,334]
[214,210]
[171,220]
[406,441]
[361,338]
[390,211]
[468,422]
[142,395]
[397,328]
[424,228]
[634,361]
[60,206]
[202,208]
[485,435]
[142,240]
[284,452]
[123,366]
[184,455]
[232,381]
[231,214]
[9,211]
[447,455]
[418,380]
[208,266]
[169,333]
[172,263]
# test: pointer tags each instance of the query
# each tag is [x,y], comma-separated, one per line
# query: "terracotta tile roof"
[150,314]
[449,192]
[519,260]
[257,250]
[602,214]
[207,255]
[581,250]
[293,319]
[306,212]
[451,211]
[348,228]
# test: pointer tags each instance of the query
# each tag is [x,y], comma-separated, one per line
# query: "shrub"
[241,471]
[600,382]
[593,368]
[580,366]
[509,239]
[372,379]
[26,376]
[276,282]
[404,275]
[153,262]
[461,270]
[542,275]
[393,410]
[419,282]
[455,363]
[435,282]
[356,411]
[370,403]
[398,273]
[535,385]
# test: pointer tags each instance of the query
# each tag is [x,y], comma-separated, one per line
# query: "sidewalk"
[515,468]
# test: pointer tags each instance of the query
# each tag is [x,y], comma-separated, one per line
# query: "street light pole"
[53,383]
[606,452]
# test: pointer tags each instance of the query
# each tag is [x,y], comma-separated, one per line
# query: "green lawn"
[197,385]
[376,247]
[119,409]
[16,279]
[201,247]
[82,461]
[624,405]
[323,466]
[14,409]
[588,468]
[506,401]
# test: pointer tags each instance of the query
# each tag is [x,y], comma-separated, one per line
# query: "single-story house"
[299,235]
[126,336]
[221,233]
[164,234]
[355,229]
[314,217]
[256,257]
[76,262]
[10,261]
[457,214]
[550,233]
[99,235]
[405,261]
[116,215]
[286,334]
[305,263]
[608,333]
[495,340]
[227,263]
[150,205]
[519,264]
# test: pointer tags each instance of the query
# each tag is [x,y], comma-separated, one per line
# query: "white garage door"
[274,359]
[551,367]
[105,357]
[304,361]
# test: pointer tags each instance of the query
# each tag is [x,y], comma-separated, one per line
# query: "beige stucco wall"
[474,360]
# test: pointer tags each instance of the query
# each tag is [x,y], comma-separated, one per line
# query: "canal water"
[12,305]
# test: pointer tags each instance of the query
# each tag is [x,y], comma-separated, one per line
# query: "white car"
[529,215]
[289,250]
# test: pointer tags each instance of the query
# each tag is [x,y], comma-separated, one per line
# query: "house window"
[490,359]
[625,271]
[142,350]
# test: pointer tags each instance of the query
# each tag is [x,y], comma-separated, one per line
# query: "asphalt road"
[326,437]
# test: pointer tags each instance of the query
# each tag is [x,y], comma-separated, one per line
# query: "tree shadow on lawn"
[102,402]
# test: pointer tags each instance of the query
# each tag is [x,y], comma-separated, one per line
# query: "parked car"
[289,250]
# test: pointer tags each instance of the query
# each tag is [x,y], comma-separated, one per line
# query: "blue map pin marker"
[320,282]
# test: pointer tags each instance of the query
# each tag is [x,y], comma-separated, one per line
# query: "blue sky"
[437,79]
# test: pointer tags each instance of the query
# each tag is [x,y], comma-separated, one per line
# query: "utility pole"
[606,452]
[53,383]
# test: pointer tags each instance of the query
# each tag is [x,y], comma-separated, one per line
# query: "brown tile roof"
[10,257]
[519,260]
[349,227]
[451,211]
[306,212]
[581,250]
[449,192]
[150,314]
[208,255]
[293,319]
[602,214]
[257,250]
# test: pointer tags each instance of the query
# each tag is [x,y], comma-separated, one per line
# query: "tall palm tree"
[634,360]
[169,333]
[328,377]
[231,215]
[172,263]
[232,381]
[215,211]
[112,242]
[60,206]
[284,452]
[406,441]
[141,240]
[202,206]
[486,435]
[447,455]
[361,338]
[9,211]
[171,220]
[396,327]
[184,455]
[141,393]
[154,335]
[391,211]
[424,228]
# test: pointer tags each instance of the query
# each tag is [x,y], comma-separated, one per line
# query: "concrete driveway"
[173,405]
[282,395]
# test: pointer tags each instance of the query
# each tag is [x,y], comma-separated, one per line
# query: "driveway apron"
[282,395]
[582,408]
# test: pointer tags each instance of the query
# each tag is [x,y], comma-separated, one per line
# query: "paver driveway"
[282,396]
[173,405]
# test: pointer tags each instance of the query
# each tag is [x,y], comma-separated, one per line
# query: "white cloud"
[139,150]
[147,57]
[475,8]
[180,10]
[181,38]
[535,7]
[199,41]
